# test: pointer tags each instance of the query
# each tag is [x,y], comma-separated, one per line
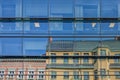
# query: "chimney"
[50,39]
[117,38]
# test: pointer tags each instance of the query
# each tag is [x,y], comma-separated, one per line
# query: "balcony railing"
[84,66]
[115,65]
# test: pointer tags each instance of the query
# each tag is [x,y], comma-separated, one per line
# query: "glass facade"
[36,28]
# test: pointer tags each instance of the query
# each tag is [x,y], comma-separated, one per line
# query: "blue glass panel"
[61,8]
[36,28]
[35,8]
[10,47]
[87,28]
[10,8]
[11,27]
[109,28]
[119,28]
[110,8]
[87,8]
[34,46]
[61,28]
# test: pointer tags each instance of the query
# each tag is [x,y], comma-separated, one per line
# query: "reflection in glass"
[87,28]
[61,8]
[35,8]
[10,8]
[61,28]
[110,8]
[10,47]
[36,27]
[110,28]
[34,46]
[87,9]
[10,27]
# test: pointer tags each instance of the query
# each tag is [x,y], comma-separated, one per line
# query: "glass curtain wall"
[28,27]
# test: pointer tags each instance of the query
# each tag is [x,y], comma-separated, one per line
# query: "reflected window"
[109,8]
[76,75]
[11,74]
[35,8]
[61,8]
[103,52]
[86,60]
[61,28]
[30,74]
[86,75]
[10,47]
[41,74]
[53,60]
[76,60]
[117,74]
[56,26]
[1,73]
[53,54]
[36,27]
[79,26]
[21,74]
[66,75]
[53,75]
[117,60]
[102,73]
[85,8]
[11,27]
[34,46]
[66,60]
[10,8]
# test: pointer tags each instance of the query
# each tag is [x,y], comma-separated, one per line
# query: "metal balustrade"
[84,66]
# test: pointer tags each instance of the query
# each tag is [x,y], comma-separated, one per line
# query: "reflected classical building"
[22,69]
[83,60]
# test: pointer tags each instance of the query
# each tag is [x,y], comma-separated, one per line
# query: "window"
[85,8]
[76,54]
[53,54]
[53,60]
[21,74]
[66,75]
[30,74]
[103,52]
[86,60]
[11,74]
[102,73]
[53,75]
[8,8]
[56,26]
[37,8]
[117,60]
[117,74]
[109,8]
[41,74]
[59,8]
[76,75]
[66,60]
[1,74]
[86,75]
[76,60]
[65,54]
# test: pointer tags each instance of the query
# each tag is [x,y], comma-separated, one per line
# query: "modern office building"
[83,60]
[22,69]
[78,31]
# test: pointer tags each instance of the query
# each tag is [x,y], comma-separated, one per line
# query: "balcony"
[78,66]
[115,65]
